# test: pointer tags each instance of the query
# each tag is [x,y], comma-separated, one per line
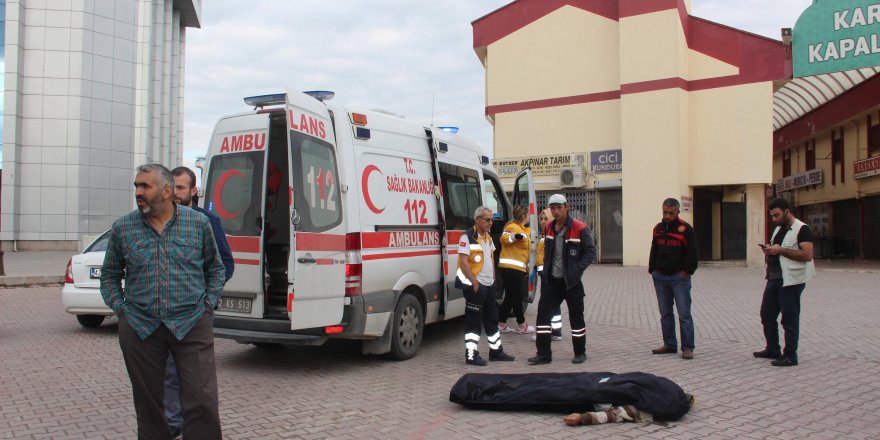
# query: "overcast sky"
[412,57]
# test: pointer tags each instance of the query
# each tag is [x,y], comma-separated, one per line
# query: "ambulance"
[344,222]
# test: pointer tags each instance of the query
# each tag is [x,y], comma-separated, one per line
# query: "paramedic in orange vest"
[513,268]
[568,252]
[476,279]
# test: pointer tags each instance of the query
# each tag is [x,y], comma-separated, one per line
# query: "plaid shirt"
[170,279]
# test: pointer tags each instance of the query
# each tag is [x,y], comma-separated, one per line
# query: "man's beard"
[185,201]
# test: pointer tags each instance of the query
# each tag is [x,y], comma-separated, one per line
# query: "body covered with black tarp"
[571,392]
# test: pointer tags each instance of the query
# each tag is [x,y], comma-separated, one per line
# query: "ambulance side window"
[315,183]
[495,199]
[461,195]
[234,191]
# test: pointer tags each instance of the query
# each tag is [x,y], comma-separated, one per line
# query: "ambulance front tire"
[407,327]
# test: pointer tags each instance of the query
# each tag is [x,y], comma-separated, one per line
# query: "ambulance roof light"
[264,100]
[449,129]
[321,95]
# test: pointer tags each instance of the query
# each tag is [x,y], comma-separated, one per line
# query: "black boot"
[499,355]
[472,357]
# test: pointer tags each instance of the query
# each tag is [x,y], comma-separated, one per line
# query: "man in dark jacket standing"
[568,251]
[674,257]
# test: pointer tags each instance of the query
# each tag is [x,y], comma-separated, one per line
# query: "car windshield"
[100,244]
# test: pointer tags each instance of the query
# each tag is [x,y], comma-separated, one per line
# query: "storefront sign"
[836,35]
[819,218]
[541,165]
[607,161]
[866,168]
[812,177]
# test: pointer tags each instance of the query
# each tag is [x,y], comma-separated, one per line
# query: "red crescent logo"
[218,194]
[365,180]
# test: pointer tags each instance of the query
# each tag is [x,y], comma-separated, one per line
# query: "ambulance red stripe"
[306,241]
[399,255]
[243,244]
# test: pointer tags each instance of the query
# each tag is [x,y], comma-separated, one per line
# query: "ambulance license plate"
[94,272]
[236,305]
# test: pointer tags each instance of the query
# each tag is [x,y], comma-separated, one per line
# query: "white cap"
[557,199]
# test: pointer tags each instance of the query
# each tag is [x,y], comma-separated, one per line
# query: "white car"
[81,294]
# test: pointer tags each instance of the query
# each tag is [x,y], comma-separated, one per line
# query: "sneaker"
[538,360]
[766,354]
[784,361]
[475,359]
[499,355]
[506,329]
[579,358]
[552,337]
[530,329]
[687,354]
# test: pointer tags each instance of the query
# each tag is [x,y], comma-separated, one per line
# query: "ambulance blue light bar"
[321,95]
[264,100]
[447,129]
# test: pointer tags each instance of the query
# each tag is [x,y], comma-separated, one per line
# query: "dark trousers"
[515,288]
[785,299]
[146,362]
[481,310]
[552,295]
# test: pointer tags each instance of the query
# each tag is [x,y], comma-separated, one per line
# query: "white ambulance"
[344,222]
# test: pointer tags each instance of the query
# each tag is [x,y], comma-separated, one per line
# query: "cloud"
[412,57]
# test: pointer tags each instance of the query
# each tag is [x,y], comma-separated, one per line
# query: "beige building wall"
[672,138]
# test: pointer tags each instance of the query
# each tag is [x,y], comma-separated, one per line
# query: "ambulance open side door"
[524,195]
[316,267]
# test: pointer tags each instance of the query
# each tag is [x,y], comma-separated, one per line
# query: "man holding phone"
[789,266]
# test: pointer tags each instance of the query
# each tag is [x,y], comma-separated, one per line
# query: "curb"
[27,280]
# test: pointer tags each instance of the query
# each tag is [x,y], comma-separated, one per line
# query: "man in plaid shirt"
[173,277]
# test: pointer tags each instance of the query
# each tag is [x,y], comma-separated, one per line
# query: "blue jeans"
[675,290]
[173,411]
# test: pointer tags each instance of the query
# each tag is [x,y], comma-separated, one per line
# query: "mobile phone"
[763,246]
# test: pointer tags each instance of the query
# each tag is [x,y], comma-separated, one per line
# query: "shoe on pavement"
[579,359]
[664,350]
[527,331]
[539,360]
[499,355]
[766,354]
[552,337]
[784,361]
[687,354]
[505,329]
[475,359]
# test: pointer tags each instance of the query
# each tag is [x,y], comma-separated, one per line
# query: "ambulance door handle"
[306,260]
[294,217]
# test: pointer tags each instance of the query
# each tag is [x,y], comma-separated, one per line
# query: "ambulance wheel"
[407,328]
[90,321]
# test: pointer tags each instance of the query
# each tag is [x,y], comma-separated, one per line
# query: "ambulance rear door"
[316,268]
[234,191]
[524,195]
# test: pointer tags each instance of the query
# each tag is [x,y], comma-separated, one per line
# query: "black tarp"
[571,392]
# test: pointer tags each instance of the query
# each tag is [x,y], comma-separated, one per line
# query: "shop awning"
[799,96]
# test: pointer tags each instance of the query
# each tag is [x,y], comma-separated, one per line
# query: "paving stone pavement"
[61,381]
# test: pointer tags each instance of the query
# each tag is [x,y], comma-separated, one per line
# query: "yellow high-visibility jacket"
[515,253]
[540,253]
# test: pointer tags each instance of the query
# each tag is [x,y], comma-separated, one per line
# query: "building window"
[786,163]
[873,138]
[811,154]
[836,156]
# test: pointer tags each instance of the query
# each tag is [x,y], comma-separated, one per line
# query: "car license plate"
[94,272]
[237,305]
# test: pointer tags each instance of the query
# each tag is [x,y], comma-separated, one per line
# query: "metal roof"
[800,96]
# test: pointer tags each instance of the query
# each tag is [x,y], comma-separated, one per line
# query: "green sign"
[836,35]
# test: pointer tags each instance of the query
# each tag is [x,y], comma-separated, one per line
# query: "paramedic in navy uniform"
[476,279]
[568,251]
